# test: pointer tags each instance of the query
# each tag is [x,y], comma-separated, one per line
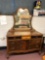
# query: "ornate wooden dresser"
[17,43]
[22,38]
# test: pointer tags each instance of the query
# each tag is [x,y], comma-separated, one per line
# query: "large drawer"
[34,43]
[17,45]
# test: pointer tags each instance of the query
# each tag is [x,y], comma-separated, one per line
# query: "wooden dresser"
[24,43]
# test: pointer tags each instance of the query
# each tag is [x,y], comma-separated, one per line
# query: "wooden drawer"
[20,45]
[36,40]
[16,45]
[11,45]
[34,43]
[11,38]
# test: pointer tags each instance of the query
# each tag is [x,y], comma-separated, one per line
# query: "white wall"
[4,29]
[38,23]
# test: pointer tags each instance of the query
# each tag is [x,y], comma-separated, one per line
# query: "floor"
[28,56]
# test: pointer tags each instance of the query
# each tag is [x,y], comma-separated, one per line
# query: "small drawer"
[36,36]
[26,37]
[18,37]
[11,38]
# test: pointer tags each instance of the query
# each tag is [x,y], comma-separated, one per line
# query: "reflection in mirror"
[22,18]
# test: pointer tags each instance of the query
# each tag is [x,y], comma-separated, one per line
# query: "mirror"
[22,18]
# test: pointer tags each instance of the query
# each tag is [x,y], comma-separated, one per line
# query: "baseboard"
[1,48]
[44,44]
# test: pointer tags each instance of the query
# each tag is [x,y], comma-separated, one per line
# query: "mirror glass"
[22,19]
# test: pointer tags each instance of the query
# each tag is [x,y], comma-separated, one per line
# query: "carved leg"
[39,52]
[7,56]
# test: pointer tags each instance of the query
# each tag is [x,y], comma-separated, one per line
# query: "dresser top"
[27,32]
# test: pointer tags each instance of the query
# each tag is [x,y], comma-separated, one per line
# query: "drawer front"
[11,45]
[34,43]
[11,38]
[36,40]
[16,45]
[20,45]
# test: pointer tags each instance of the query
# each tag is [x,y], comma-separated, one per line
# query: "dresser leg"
[39,52]
[7,56]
